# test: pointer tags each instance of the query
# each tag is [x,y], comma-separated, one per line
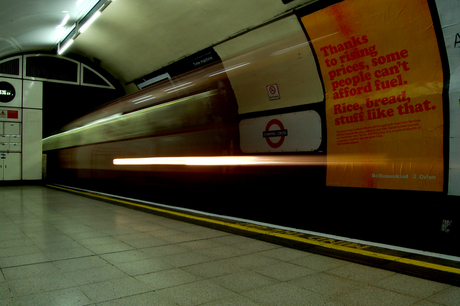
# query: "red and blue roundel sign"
[281,132]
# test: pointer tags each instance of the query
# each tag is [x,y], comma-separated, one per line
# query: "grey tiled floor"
[62,249]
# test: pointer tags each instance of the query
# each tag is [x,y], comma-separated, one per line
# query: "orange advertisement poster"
[383,83]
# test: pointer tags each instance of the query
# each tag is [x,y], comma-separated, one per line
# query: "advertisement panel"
[383,83]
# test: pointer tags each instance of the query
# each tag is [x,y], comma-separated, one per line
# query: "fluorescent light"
[82,24]
[89,22]
[64,21]
[66,45]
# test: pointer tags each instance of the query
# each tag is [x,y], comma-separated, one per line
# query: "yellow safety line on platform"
[276,234]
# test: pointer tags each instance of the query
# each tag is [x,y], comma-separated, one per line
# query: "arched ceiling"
[132,37]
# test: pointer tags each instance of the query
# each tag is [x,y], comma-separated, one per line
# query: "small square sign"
[273,92]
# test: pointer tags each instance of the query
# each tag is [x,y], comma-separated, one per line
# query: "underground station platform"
[63,246]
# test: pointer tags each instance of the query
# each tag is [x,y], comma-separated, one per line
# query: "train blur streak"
[281,160]
[221,160]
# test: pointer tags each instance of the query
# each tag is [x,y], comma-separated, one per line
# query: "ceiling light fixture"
[82,25]
[90,21]
[65,46]
[64,21]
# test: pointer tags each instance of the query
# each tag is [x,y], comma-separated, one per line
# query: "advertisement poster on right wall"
[383,81]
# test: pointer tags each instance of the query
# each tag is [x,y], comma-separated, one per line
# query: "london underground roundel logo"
[281,133]
[7,92]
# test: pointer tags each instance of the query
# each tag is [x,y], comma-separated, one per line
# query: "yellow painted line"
[276,234]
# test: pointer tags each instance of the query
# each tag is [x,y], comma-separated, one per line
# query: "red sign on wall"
[13,114]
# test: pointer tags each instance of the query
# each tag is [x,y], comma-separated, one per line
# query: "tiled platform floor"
[60,249]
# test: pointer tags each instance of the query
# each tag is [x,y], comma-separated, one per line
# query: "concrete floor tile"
[257,246]
[13,261]
[132,237]
[125,256]
[12,234]
[212,269]
[5,292]
[326,284]
[68,253]
[197,293]
[243,281]
[208,233]
[426,303]
[140,267]
[86,235]
[251,261]
[19,250]
[285,294]
[192,228]
[114,289]
[25,241]
[165,232]
[82,263]
[43,241]
[448,297]
[170,223]
[146,243]
[284,271]
[95,275]
[361,273]
[71,296]
[232,239]
[114,231]
[109,248]
[39,284]
[285,254]
[372,296]
[60,245]
[181,237]
[201,244]
[319,262]
[8,302]
[143,299]
[28,271]
[97,241]
[186,259]
[165,250]
[412,286]
[237,301]
[224,251]
[167,278]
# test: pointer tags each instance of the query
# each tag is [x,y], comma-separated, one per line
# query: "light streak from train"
[275,160]
[222,160]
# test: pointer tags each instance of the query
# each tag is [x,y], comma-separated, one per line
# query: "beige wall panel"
[277,54]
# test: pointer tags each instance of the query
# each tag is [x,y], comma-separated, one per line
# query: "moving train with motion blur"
[339,117]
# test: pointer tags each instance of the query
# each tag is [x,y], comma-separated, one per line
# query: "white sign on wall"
[291,132]
[273,92]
